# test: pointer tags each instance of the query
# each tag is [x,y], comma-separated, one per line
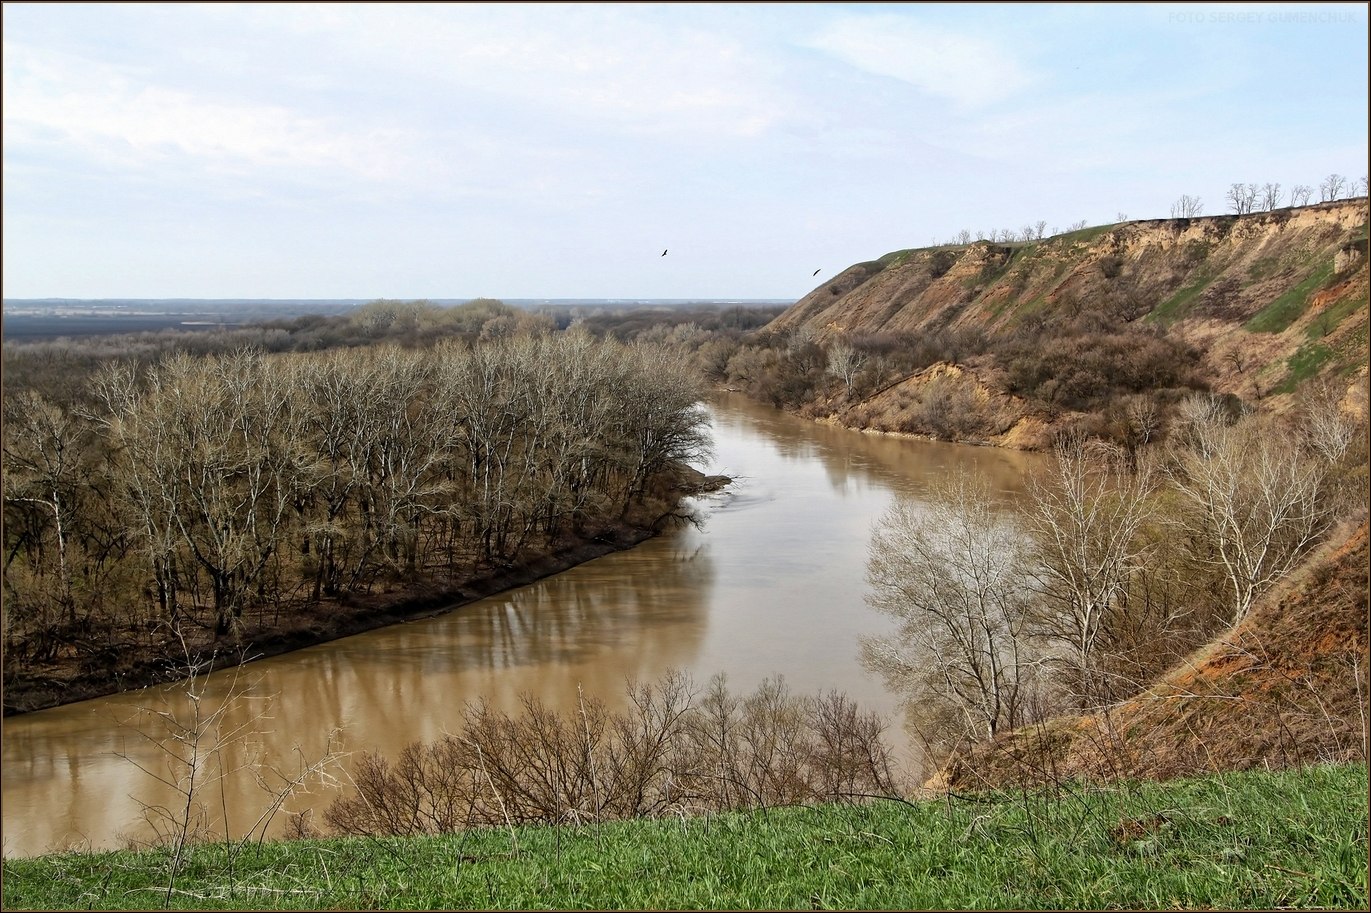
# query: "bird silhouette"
[663,253]
[816,272]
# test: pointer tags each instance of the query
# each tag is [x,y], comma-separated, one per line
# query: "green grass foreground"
[1241,840]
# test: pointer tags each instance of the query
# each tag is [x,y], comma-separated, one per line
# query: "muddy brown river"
[771,584]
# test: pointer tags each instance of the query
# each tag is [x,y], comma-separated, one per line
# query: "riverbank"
[1030,432]
[78,675]
[1254,840]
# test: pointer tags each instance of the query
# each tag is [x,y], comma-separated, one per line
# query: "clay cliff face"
[1271,298]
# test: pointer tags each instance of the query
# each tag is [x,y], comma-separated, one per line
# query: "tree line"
[189,492]
[1244,198]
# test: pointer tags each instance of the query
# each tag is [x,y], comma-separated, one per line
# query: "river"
[771,583]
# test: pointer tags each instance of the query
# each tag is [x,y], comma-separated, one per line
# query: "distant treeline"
[62,367]
[183,492]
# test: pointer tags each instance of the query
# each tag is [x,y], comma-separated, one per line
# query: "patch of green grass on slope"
[1249,840]
[1304,364]
[1261,269]
[1286,309]
[1083,235]
[1175,307]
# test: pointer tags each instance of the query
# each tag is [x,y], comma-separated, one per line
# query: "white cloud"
[968,70]
[607,66]
[476,131]
[112,115]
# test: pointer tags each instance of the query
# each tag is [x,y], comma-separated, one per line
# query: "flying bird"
[663,253]
[816,272]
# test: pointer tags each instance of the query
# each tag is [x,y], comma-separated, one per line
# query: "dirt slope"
[1272,298]
[1287,686]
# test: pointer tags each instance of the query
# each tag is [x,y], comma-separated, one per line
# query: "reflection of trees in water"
[573,617]
[628,613]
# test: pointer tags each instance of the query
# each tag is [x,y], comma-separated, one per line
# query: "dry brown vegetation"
[1091,327]
[1117,564]
[674,751]
[241,502]
[965,385]
[1287,686]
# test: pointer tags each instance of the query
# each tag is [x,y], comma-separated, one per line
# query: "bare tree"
[1143,416]
[1326,426]
[1187,207]
[663,422]
[1331,188]
[951,573]
[1257,497]
[1241,197]
[844,362]
[145,468]
[1039,228]
[43,470]
[1234,197]
[1300,194]
[1199,421]
[1085,519]
[1270,196]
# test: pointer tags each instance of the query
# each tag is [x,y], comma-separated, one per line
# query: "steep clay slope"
[1271,298]
[1287,686]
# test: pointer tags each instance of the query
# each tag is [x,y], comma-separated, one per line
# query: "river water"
[771,584]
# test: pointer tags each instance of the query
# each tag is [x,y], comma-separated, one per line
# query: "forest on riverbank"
[172,510]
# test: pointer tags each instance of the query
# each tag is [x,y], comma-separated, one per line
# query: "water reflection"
[772,584]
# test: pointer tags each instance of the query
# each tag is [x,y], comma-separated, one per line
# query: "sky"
[555,150]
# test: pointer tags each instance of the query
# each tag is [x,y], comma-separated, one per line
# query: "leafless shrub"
[194,733]
[667,753]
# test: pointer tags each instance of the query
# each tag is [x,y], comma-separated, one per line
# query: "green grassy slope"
[1249,840]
